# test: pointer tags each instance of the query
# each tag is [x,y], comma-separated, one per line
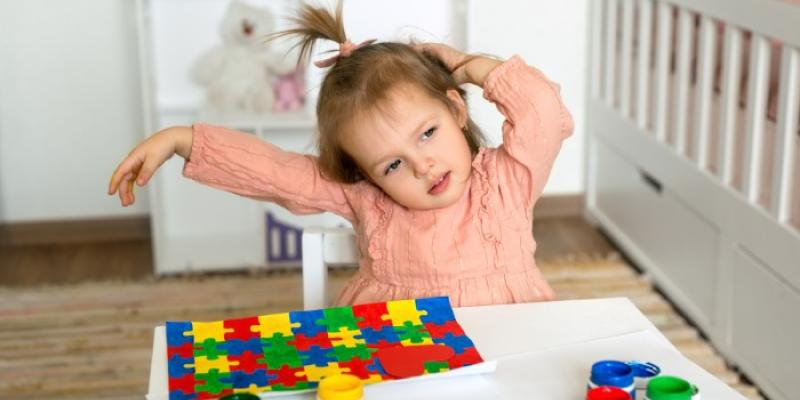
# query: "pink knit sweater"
[477,251]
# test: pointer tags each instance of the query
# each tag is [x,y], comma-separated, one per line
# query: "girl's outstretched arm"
[143,161]
[243,164]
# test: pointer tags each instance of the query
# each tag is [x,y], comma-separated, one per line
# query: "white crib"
[694,170]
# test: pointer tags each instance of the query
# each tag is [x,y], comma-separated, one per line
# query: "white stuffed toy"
[239,73]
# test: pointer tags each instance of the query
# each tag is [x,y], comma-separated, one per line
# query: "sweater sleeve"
[536,123]
[245,165]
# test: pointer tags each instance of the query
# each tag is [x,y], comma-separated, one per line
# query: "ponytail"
[314,23]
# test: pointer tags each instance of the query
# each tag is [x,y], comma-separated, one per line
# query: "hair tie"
[345,50]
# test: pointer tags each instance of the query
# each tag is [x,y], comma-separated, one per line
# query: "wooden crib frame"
[701,192]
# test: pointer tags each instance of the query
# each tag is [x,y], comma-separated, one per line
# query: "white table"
[543,351]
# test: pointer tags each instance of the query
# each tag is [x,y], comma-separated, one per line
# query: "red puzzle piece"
[241,328]
[248,362]
[404,362]
[185,383]
[185,350]
[209,396]
[358,367]
[468,357]
[372,315]
[286,376]
[440,331]
[382,344]
[304,343]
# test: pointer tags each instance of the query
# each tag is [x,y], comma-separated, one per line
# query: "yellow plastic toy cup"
[340,387]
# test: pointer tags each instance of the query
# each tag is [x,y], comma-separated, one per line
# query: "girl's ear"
[460,107]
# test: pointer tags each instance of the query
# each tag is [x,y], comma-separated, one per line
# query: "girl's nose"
[423,167]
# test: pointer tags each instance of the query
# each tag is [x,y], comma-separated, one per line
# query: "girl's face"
[413,148]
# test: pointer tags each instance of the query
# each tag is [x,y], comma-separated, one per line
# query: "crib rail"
[676,68]
[785,152]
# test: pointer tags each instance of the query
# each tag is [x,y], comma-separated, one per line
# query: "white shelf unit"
[197,228]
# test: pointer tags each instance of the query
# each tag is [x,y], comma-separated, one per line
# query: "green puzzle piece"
[436,366]
[277,341]
[344,354]
[414,333]
[213,383]
[279,387]
[336,318]
[209,349]
[278,352]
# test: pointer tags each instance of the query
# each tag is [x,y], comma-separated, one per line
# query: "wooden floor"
[91,339]
[31,263]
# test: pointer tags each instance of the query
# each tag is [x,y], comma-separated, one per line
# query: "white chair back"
[324,247]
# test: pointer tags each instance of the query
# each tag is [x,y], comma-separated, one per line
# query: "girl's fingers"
[460,75]
[146,171]
[116,177]
[126,189]
[113,185]
[131,196]
[452,58]
[123,189]
[129,166]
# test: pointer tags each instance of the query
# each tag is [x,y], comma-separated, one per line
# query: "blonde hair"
[363,80]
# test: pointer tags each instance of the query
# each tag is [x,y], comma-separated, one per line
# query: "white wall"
[550,35]
[69,106]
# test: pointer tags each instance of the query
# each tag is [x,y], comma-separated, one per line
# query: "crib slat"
[732,69]
[785,136]
[643,75]
[705,68]
[612,6]
[681,99]
[756,111]
[597,49]
[627,57]
[662,68]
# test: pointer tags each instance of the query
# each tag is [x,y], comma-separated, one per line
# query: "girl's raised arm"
[537,121]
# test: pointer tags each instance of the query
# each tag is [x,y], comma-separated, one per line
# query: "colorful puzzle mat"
[294,351]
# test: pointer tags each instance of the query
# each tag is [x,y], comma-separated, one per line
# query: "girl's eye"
[427,134]
[393,166]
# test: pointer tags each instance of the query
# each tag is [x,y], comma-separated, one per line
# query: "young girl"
[434,212]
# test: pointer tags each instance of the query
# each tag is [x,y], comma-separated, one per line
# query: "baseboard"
[559,206]
[97,230]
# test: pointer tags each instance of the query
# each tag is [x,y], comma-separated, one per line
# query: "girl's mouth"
[441,184]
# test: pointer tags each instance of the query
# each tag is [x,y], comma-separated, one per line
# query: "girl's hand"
[452,58]
[466,68]
[142,162]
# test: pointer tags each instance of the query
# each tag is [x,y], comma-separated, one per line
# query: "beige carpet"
[93,341]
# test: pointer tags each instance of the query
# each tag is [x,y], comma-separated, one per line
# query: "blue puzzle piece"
[376,367]
[237,347]
[457,343]
[243,380]
[176,366]
[180,395]
[175,333]
[318,356]
[386,333]
[438,308]
[308,322]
